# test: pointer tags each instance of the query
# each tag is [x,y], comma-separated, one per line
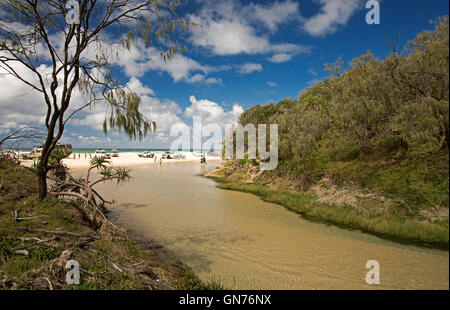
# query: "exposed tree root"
[88,202]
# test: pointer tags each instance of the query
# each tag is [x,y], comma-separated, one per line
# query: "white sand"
[128,159]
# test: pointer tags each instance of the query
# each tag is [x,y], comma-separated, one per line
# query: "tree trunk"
[42,179]
[43,169]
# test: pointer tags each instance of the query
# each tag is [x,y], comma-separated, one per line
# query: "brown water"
[251,244]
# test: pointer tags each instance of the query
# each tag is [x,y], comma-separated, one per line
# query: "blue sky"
[247,53]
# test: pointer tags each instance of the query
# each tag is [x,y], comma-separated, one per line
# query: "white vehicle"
[166,155]
[177,155]
[35,153]
[147,154]
[101,154]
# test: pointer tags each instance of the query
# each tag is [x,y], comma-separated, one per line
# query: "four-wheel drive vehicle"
[34,154]
[177,156]
[102,154]
[166,155]
[147,154]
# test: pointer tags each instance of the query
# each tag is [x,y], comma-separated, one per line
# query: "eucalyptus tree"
[77,40]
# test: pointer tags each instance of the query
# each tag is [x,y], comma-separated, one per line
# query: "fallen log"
[57,232]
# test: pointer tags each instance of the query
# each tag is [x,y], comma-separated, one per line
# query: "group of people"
[79,156]
[202,159]
[156,159]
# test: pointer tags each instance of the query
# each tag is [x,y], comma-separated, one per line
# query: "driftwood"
[18,219]
[14,215]
[57,232]
[22,252]
[153,281]
[49,284]
[116,267]
[88,202]
[39,241]
[84,243]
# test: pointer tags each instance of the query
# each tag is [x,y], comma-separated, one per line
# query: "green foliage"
[382,125]
[396,107]
[43,253]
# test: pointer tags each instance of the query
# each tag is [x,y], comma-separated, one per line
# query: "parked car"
[102,154]
[35,153]
[177,155]
[166,155]
[147,154]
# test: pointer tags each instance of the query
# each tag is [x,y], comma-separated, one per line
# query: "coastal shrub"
[377,109]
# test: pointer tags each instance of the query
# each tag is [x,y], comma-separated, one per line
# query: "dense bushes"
[389,108]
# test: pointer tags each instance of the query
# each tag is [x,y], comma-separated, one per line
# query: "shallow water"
[251,244]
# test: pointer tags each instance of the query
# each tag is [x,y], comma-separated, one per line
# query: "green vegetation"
[34,246]
[386,224]
[379,127]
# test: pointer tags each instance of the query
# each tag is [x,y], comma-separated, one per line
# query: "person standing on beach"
[74,156]
[203,160]
[156,158]
[79,156]
[160,161]
[85,155]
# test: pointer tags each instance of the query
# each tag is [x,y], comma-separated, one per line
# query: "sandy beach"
[77,161]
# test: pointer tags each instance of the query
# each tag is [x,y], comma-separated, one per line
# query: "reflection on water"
[251,244]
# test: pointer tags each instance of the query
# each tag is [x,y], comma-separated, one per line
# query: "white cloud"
[279,58]
[285,52]
[21,105]
[135,85]
[312,72]
[333,13]
[274,14]
[164,112]
[230,28]
[248,68]
[213,81]
[228,37]
[211,112]
[139,60]
[201,78]
[272,84]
